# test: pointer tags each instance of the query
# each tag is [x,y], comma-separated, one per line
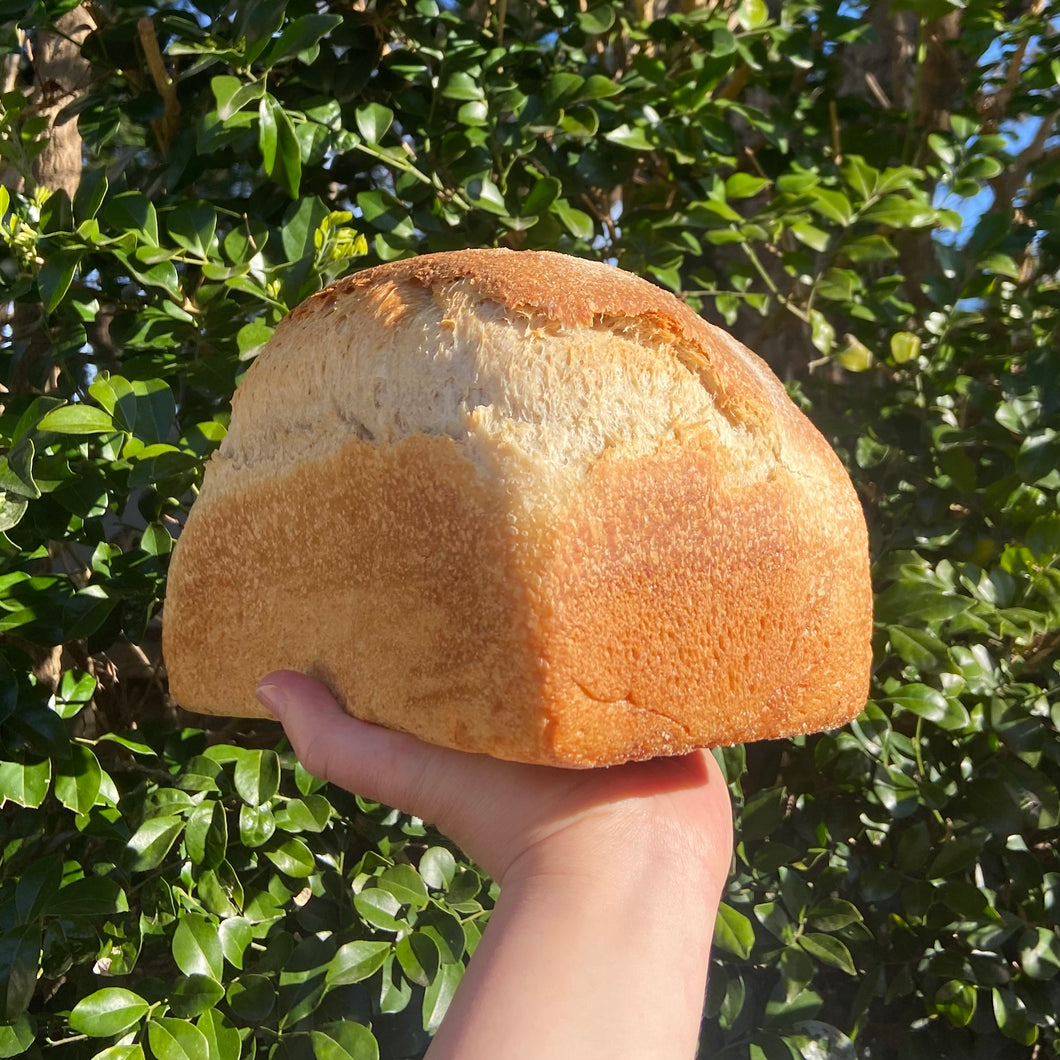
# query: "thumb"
[378,764]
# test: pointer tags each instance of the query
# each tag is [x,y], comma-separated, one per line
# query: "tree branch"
[165,129]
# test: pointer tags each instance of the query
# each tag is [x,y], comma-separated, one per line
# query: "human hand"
[610,881]
[497,811]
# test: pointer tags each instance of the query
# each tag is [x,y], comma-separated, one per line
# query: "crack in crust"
[641,708]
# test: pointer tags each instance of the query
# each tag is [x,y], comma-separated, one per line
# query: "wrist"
[619,843]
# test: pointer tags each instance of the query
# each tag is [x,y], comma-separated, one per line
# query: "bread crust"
[701,585]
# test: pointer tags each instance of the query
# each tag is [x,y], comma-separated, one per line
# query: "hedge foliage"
[177,887]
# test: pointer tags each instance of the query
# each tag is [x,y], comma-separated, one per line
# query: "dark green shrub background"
[867,196]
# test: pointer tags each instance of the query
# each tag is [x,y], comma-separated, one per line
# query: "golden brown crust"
[715,617]
[708,587]
[334,568]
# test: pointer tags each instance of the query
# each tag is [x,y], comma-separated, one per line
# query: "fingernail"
[272,698]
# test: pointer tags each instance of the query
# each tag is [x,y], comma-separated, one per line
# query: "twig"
[165,129]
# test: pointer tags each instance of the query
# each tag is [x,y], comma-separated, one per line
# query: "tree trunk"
[60,74]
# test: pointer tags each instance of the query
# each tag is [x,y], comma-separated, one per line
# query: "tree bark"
[61,74]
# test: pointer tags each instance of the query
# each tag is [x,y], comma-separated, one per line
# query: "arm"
[610,881]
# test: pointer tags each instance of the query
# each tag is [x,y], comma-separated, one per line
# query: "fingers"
[379,764]
[497,810]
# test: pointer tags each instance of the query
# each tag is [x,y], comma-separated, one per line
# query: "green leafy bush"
[173,886]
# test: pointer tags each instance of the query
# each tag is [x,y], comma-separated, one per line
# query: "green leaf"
[445,929]
[918,647]
[155,540]
[37,886]
[577,222]
[246,241]
[257,776]
[437,868]
[78,779]
[405,884]
[136,746]
[629,136]
[77,419]
[954,856]
[461,85]
[829,950]
[192,225]
[256,825]
[235,934]
[309,814]
[580,121]
[862,177]
[597,86]
[279,145]
[822,334]
[437,996]
[1039,952]
[300,35]
[904,602]
[174,1039]
[122,1052]
[831,204]
[344,1041]
[151,842]
[194,995]
[251,338]
[943,147]
[206,835]
[233,95]
[132,211]
[733,932]
[869,248]
[92,896]
[905,346]
[744,185]
[252,997]
[561,87]
[55,277]
[832,914]
[197,947]
[1011,1015]
[417,953]
[20,953]
[222,1038]
[898,212]
[752,14]
[16,470]
[293,857]
[921,699]
[25,783]
[16,1037]
[541,196]
[268,137]
[356,961]
[112,1010]
[379,908]
[956,1001]
[484,194]
[855,356]
[373,121]
[13,507]
[597,19]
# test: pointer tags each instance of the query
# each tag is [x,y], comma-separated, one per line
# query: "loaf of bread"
[528,505]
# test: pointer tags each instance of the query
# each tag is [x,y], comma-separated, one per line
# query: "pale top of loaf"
[582,360]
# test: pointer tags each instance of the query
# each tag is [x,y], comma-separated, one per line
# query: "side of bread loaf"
[528,505]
